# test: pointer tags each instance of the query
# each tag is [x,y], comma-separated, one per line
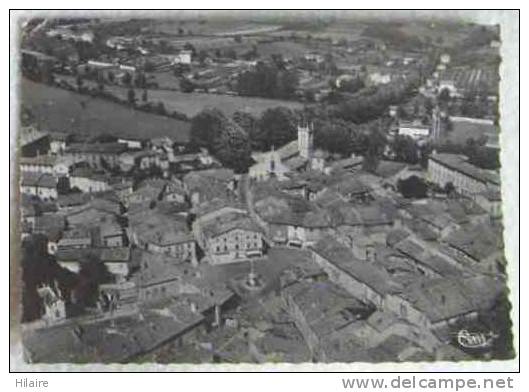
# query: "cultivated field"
[65,111]
[474,78]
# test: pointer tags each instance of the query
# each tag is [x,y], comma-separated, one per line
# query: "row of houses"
[423,310]
[481,185]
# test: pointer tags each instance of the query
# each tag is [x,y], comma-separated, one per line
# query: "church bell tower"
[305,139]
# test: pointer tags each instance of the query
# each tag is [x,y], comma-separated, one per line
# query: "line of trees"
[278,126]
[371,103]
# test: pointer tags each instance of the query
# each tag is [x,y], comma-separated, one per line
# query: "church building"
[294,156]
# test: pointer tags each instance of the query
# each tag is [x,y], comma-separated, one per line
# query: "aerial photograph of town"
[235,187]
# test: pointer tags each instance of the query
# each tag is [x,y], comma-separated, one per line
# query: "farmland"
[65,111]
[473,78]
[463,130]
[219,27]
[192,103]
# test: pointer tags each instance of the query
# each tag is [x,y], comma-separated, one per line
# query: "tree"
[413,187]
[352,85]
[38,268]
[202,56]
[376,144]
[334,137]
[140,80]
[79,82]
[232,147]
[428,106]
[250,125]
[444,95]
[190,47]
[309,96]
[447,123]
[266,80]
[277,127]
[405,149]
[148,66]
[359,142]
[205,126]
[127,79]
[449,188]
[484,157]
[230,53]
[425,151]
[131,96]
[160,108]
[287,84]
[186,85]
[164,46]
[226,140]
[402,113]
[92,273]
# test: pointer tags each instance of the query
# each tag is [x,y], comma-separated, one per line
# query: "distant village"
[286,247]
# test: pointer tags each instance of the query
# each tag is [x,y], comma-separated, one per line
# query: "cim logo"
[475,339]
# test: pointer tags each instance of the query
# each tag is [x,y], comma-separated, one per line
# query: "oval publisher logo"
[469,339]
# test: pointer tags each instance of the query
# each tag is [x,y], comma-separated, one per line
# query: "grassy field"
[210,26]
[464,130]
[64,111]
[192,103]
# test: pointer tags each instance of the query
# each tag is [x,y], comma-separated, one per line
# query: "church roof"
[289,150]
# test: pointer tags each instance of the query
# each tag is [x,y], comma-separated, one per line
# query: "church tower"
[436,123]
[305,140]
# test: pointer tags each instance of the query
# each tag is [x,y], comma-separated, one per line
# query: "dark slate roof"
[343,258]
[442,299]
[228,222]
[39,180]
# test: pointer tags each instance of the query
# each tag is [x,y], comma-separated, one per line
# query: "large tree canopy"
[413,187]
[375,145]
[267,80]
[405,149]
[225,139]
[277,127]
[204,127]
[334,137]
[250,125]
